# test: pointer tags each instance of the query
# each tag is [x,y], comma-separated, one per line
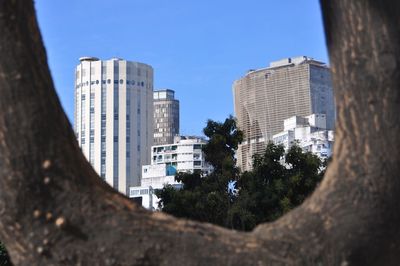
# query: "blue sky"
[197,48]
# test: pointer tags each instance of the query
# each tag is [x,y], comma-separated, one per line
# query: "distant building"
[166,117]
[309,133]
[184,155]
[114,118]
[264,98]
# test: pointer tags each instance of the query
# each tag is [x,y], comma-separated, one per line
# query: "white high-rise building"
[114,118]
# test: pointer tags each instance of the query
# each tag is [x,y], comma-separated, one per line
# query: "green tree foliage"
[278,183]
[205,198]
[224,139]
[4,259]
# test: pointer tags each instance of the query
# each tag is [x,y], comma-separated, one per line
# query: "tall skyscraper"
[166,117]
[114,118]
[264,98]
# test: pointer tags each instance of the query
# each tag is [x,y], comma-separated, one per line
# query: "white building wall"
[185,155]
[310,134]
[113,118]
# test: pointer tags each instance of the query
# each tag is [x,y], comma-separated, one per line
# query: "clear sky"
[196,47]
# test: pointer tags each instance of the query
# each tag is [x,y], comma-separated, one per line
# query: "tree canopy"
[278,183]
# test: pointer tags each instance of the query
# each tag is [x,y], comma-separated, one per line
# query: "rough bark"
[54,210]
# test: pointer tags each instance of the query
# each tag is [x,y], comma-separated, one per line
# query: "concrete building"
[184,155]
[166,117]
[309,133]
[264,98]
[114,117]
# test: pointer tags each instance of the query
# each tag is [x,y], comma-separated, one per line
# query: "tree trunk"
[55,210]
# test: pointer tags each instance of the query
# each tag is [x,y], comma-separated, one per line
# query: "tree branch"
[56,211]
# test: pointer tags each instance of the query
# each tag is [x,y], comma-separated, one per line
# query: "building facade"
[114,118]
[309,133]
[264,98]
[166,117]
[184,155]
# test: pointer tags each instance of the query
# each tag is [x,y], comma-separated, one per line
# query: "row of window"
[108,81]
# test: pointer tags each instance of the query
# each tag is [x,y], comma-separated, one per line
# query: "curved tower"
[264,98]
[114,117]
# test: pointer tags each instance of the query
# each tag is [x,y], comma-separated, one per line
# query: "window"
[109,81]
[197,163]
[197,146]
[135,192]
[121,81]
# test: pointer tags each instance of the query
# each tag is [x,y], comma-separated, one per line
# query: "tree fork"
[55,210]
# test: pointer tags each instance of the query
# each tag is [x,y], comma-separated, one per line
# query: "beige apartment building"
[264,98]
[166,116]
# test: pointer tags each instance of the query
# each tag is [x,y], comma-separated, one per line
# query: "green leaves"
[4,259]
[224,139]
[278,183]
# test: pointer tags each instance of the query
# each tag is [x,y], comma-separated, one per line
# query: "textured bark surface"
[54,210]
